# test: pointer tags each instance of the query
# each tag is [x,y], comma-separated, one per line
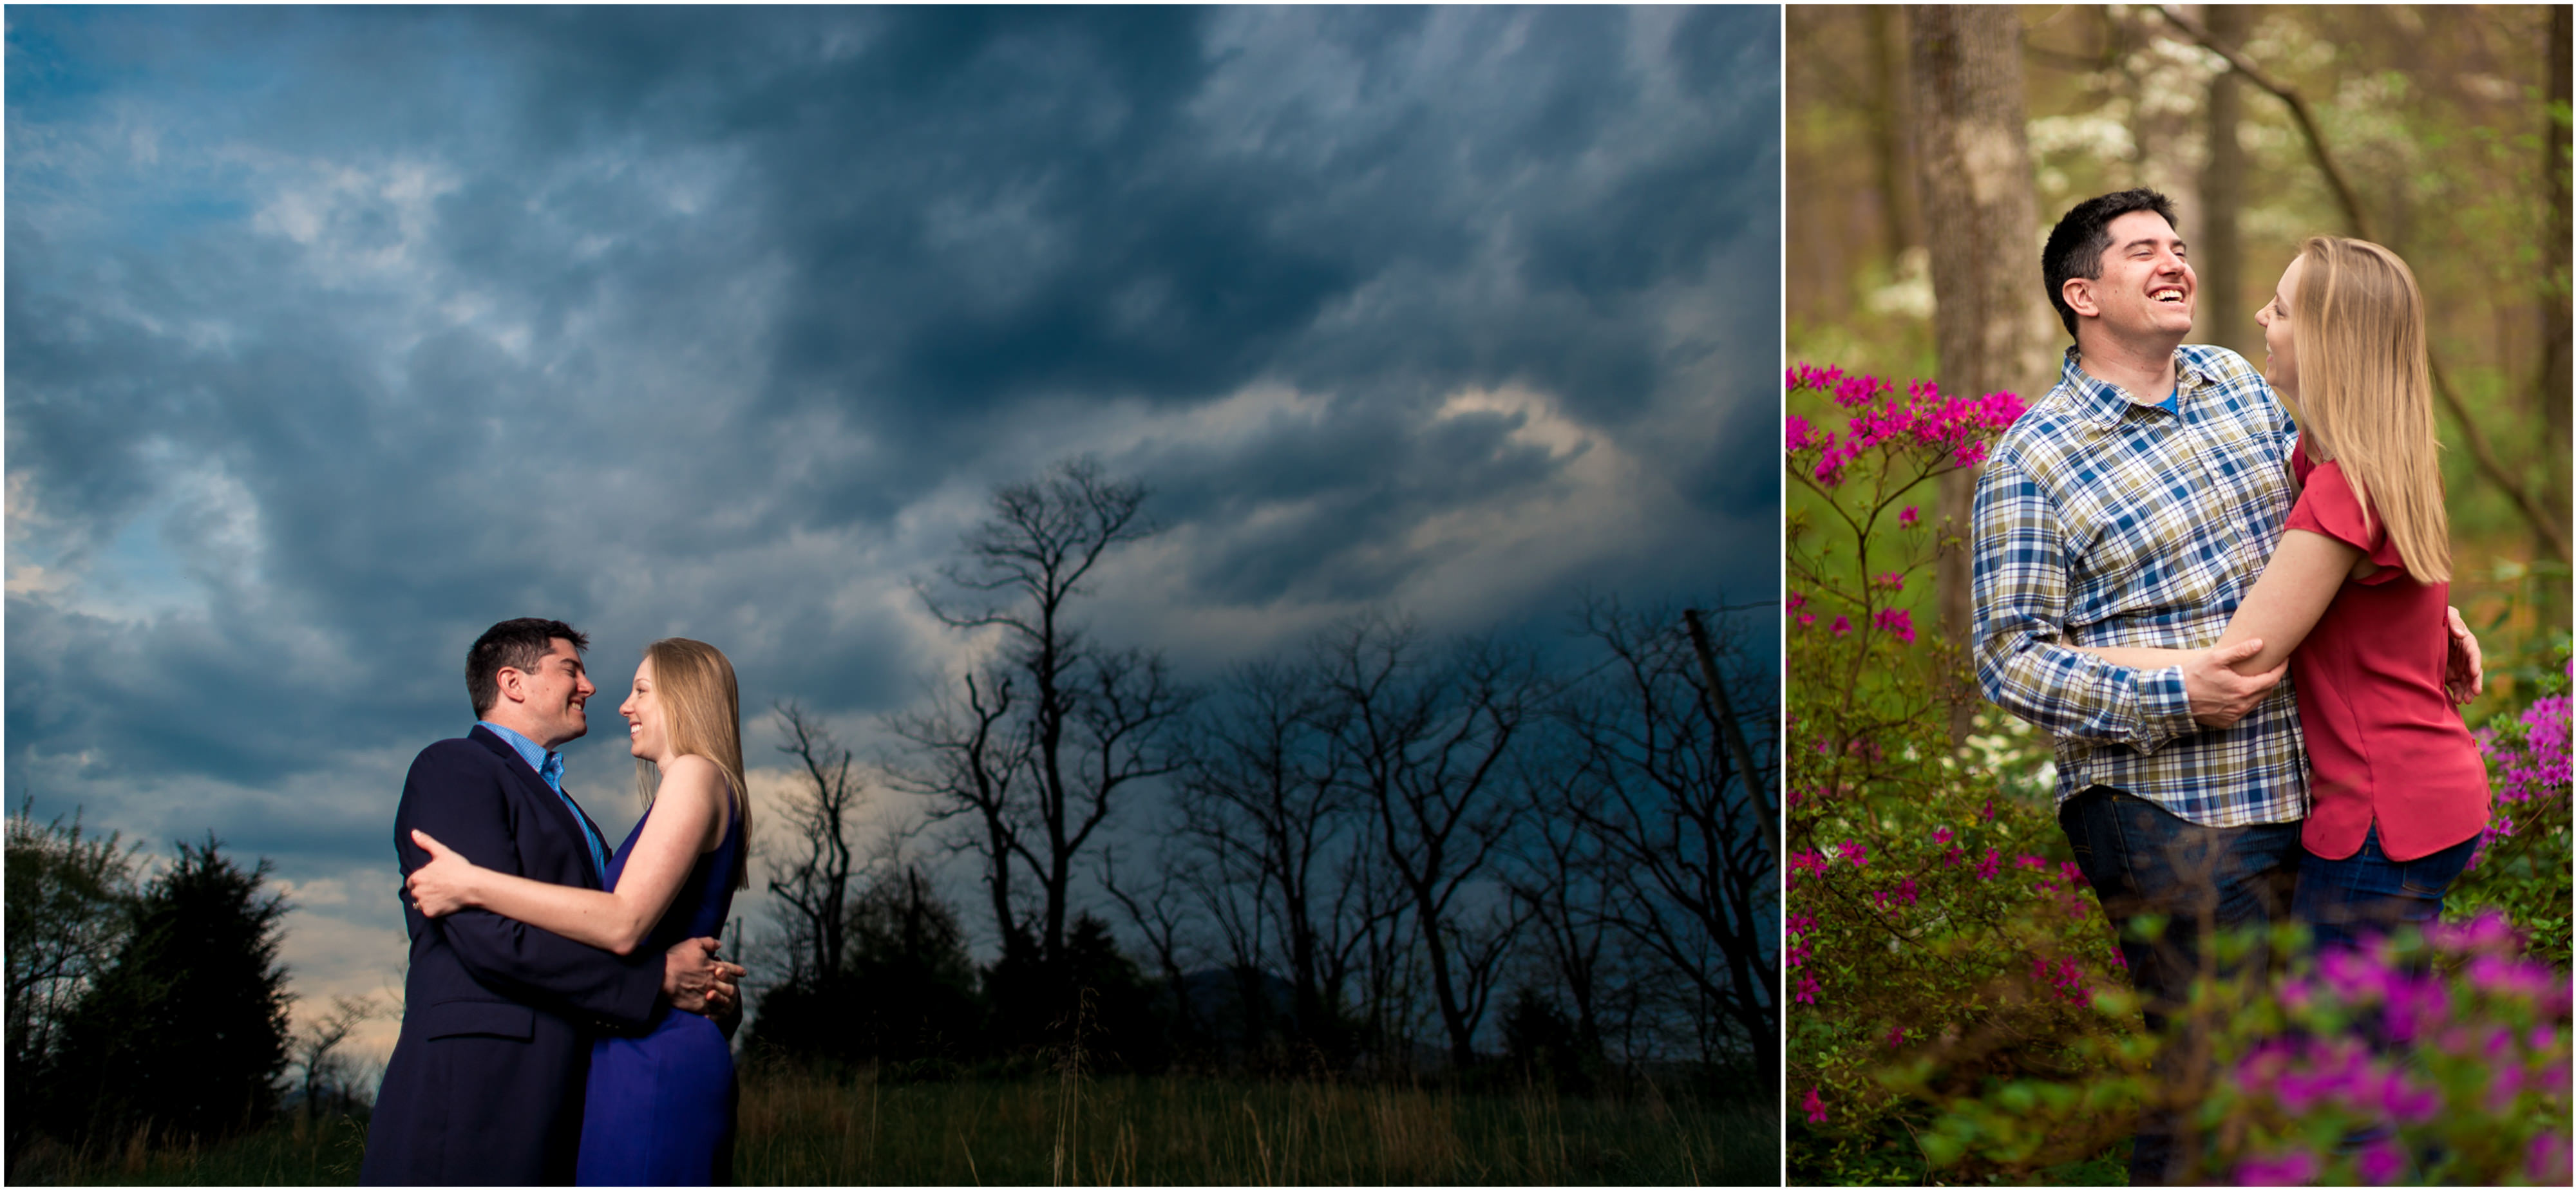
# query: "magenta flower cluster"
[1895,622]
[1956,426]
[2305,1072]
[2530,767]
[2536,766]
[2062,882]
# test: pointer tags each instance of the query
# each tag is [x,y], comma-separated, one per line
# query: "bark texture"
[1980,218]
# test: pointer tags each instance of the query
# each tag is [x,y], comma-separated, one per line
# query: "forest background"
[2447,130]
[1946,1011]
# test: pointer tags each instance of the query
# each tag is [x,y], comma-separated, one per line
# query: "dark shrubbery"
[906,993]
[185,1032]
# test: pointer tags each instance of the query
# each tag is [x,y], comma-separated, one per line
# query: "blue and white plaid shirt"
[2101,522]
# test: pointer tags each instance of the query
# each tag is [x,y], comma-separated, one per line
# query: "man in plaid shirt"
[2135,505]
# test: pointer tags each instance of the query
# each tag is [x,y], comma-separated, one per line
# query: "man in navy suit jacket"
[485,1085]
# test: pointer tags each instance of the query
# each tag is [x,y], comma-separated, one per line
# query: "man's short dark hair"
[2076,244]
[518,644]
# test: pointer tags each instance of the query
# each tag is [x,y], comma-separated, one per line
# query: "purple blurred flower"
[2548,1163]
[2381,1163]
[2411,1105]
[2292,1169]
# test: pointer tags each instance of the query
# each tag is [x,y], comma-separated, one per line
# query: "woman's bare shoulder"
[699,783]
[691,774]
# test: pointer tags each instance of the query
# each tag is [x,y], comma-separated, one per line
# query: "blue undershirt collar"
[549,766]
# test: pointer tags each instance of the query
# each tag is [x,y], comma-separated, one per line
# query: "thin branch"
[2480,450]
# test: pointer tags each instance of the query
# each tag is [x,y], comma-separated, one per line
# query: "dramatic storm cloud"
[334,336]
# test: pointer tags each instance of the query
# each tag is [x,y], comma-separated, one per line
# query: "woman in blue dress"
[660,1106]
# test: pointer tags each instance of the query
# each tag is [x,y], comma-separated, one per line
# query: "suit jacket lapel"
[548,802]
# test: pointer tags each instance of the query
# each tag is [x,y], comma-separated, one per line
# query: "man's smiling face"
[2146,288]
[556,690]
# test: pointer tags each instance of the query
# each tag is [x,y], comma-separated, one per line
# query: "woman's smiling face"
[648,729]
[2280,341]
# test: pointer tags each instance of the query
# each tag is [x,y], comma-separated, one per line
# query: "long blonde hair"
[704,710]
[2366,393]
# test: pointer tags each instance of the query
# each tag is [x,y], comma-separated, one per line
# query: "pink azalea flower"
[2547,1164]
[2381,1164]
[2409,1104]
[1897,621]
[1908,517]
[2292,1169]
[1815,1107]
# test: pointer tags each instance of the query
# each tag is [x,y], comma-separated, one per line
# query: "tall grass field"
[805,1129]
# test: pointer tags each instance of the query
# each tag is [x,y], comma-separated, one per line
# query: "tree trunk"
[2217,255]
[2553,395]
[1972,161]
[1898,224]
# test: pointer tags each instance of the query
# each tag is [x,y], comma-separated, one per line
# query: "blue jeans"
[2143,859]
[2347,901]
[2366,893]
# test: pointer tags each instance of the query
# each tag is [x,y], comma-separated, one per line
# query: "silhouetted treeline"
[159,1010]
[1375,851]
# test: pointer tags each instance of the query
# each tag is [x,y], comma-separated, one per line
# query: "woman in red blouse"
[2356,597]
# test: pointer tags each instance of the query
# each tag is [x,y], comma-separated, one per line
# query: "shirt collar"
[536,755]
[2102,403]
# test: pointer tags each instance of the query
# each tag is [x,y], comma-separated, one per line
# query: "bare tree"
[1679,823]
[69,903]
[966,755]
[1565,877]
[1093,722]
[1425,739]
[316,1050]
[1164,912]
[1266,799]
[811,875]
